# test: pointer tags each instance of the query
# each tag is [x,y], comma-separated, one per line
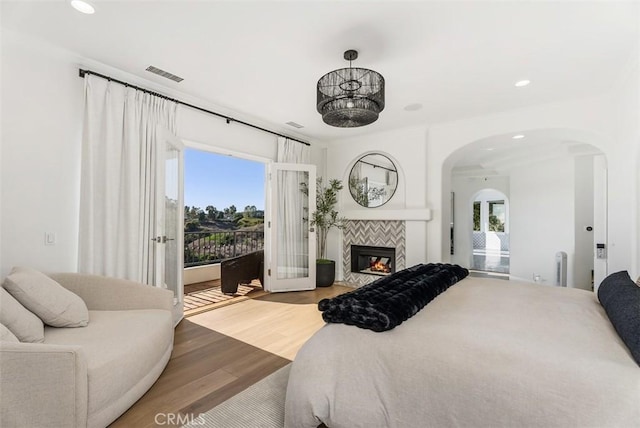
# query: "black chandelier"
[350,97]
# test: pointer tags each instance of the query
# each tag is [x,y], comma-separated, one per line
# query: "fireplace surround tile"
[376,233]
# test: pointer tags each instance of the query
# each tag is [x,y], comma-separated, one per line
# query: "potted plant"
[323,219]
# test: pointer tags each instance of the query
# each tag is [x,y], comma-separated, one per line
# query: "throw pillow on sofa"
[6,335]
[23,324]
[55,305]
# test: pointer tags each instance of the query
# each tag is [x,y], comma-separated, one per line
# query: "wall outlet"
[49,238]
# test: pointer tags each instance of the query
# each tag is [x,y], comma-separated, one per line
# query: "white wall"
[422,154]
[542,218]
[202,130]
[41,117]
[465,188]
[196,274]
[637,211]
[597,121]
[623,162]
[41,128]
[407,149]
[42,104]
[537,233]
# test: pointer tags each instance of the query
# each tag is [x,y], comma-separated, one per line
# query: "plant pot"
[325,273]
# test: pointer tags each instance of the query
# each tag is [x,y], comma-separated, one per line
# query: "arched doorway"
[555,188]
[490,234]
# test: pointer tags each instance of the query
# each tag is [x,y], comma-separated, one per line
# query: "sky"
[222,181]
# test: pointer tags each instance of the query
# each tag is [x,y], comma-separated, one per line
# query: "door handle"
[162,239]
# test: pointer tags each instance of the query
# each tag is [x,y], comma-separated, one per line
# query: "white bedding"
[485,353]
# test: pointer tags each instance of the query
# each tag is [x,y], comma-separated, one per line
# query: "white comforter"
[485,353]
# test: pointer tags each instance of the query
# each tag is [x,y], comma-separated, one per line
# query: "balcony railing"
[202,248]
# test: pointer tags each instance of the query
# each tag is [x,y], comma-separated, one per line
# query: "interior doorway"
[555,181]
[490,235]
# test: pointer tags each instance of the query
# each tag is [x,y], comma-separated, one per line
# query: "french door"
[600,268]
[290,242]
[169,239]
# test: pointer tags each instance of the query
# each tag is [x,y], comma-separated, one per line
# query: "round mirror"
[373,180]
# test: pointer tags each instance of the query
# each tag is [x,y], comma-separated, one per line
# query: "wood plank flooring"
[204,296]
[219,353]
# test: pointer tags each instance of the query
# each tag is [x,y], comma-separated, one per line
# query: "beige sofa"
[89,376]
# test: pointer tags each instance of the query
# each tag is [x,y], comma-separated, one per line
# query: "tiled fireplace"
[383,242]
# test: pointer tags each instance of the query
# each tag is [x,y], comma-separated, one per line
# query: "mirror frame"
[360,160]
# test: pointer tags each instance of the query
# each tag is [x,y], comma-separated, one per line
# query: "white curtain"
[290,151]
[124,133]
[293,228]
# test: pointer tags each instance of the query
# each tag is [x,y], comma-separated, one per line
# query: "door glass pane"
[172,216]
[293,226]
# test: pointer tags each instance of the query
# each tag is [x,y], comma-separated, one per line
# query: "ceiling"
[262,59]
[498,155]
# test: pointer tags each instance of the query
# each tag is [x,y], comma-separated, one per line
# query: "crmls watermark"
[178,419]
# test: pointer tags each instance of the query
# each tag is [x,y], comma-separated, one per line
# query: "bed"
[485,353]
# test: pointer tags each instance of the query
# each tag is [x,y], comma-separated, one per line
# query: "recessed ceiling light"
[518,136]
[82,6]
[490,149]
[521,83]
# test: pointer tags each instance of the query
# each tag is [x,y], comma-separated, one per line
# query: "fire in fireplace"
[372,260]
[378,265]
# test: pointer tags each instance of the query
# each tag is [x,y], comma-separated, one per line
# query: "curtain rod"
[377,166]
[227,118]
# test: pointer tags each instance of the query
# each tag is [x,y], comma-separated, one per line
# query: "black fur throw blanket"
[390,300]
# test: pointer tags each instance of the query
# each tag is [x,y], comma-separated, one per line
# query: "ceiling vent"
[166,74]
[295,125]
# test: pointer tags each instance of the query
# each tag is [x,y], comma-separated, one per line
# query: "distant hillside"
[218,225]
[210,241]
[242,224]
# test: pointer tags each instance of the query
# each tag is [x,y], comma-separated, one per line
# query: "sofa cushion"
[23,324]
[6,335]
[120,348]
[54,304]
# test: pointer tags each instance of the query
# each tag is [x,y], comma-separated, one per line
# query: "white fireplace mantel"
[410,214]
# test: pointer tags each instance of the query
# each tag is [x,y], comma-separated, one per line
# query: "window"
[497,216]
[476,216]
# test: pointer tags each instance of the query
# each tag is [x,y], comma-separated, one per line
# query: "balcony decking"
[208,295]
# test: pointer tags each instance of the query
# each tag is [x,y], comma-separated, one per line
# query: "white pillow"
[6,335]
[54,304]
[23,324]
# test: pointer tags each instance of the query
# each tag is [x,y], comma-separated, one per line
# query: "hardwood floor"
[204,296]
[222,352]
